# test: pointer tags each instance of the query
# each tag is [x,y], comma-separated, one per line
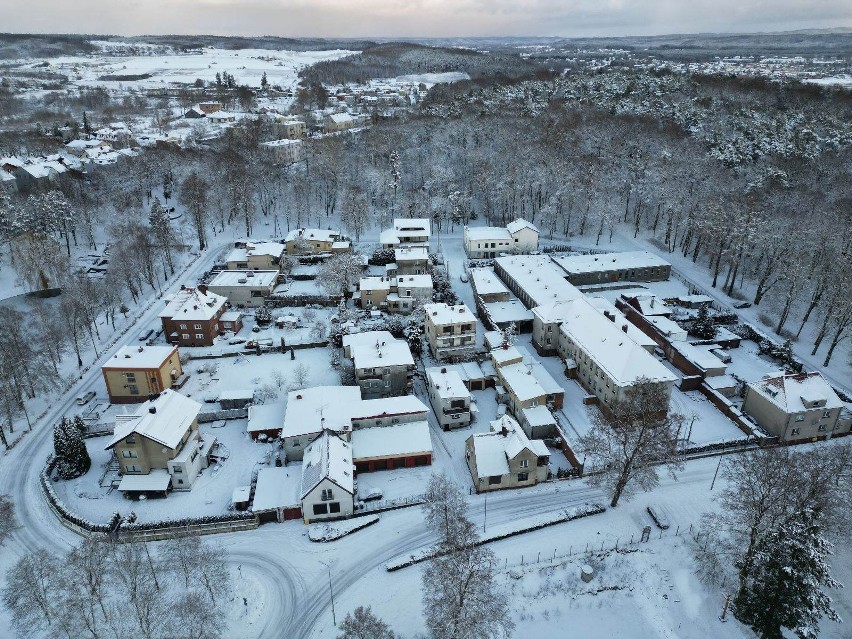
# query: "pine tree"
[703,327]
[70,448]
[87,128]
[786,589]
[264,83]
[218,79]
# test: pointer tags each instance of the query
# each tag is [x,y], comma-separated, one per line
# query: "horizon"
[426,19]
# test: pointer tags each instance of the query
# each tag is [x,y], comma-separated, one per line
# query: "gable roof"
[520,223]
[193,304]
[507,440]
[790,391]
[172,417]
[328,457]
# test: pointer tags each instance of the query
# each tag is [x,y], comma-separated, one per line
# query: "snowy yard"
[748,364]
[210,494]
[709,424]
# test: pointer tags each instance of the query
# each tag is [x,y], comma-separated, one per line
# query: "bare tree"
[193,196]
[639,434]
[340,273]
[7,517]
[361,623]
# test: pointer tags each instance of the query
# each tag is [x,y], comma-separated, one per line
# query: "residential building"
[248,289]
[517,237]
[222,117]
[407,232]
[159,447]
[529,386]
[630,266]
[505,457]
[257,256]
[449,397]
[796,407]
[395,295]
[383,364]
[535,279]
[603,358]
[291,128]
[388,447]
[310,241]
[284,151]
[191,317]
[502,315]
[336,122]
[328,479]
[266,419]
[450,330]
[473,375]
[134,373]
[410,260]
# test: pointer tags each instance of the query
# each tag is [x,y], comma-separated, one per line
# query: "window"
[177,470]
[194,456]
[494,480]
[197,327]
[327,494]
[795,431]
[525,463]
[180,481]
[800,418]
[297,443]
[523,476]
[132,468]
[334,507]
[199,336]
[134,389]
[130,377]
[320,509]
[257,293]
[129,454]
[130,439]
[185,336]
[821,428]
[826,413]
[183,327]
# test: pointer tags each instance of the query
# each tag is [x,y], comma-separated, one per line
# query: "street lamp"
[331,590]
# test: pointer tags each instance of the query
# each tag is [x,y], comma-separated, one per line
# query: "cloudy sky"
[424,18]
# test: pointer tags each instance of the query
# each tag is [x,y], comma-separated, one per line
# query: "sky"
[420,18]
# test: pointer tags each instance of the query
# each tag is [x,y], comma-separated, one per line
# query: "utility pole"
[485,520]
[725,608]
[713,483]
[331,591]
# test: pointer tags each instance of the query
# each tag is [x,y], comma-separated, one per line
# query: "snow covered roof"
[377,348]
[37,170]
[387,406]
[467,370]
[411,254]
[610,348]
[411,226]
[192,304]
[328,457]
[277,488]
[539,277]
[486,282]
[266,417]
[528,381]
[272,249]
[700,355]
[374,283]
[791,392]
[668,327]
[236,394]
[651,305]
[164,419]
[506,441]
[448,385]
[578,264]
[511,311]
[140,357]
[238,279]
[620,319]
[503,356]
[487,233]
[341,118]
[277,143]
[519,224]
[538,416]
[493,339]
[157,480]
[388,236]
[317,235]
[441,314]
[311,410]
[413,281]
[391,441]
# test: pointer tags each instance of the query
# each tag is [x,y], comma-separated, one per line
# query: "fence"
[218,415]
[370,507]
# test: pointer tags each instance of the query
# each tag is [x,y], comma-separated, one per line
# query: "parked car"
[373,495]
[237,340]
[254,343]
[145,335]
[659,517]
[85,398]
[743,305]
[463,277]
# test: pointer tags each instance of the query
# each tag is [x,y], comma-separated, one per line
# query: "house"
[284,151]
[291,128]
[450,330]
[231,322]
[78,148]
[473,375]
[191,317]
[488,286]
[260,256]
[407,232]
[383,364]
[310,241]
[535,279]
[278,493]
[159,447]
[505,457]
[601,268]
[209,107]
[134,373]
[614,315]
[449,397]
[336,122]
[528,386]
[118,134]
[310,411]
[388,447]
[410,260]
[796,407]
[505,314]
[328,479]
[505,355]
[221,117]
[195,113]
[395,295]
[603,358]
[247,289]
[387,411]
[517,237]
[648,305]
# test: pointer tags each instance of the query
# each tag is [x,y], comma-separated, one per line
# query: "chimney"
[624,327]
[504,431]
[202,288]
[298,397]
[443,370]
[183,287]
[141,349]
[152,410]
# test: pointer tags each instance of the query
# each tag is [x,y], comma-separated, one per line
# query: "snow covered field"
[246,65]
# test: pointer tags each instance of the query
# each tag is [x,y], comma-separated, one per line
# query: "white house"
[449,397]
[328,479]
[450,330]
[407,232]
[519,236]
